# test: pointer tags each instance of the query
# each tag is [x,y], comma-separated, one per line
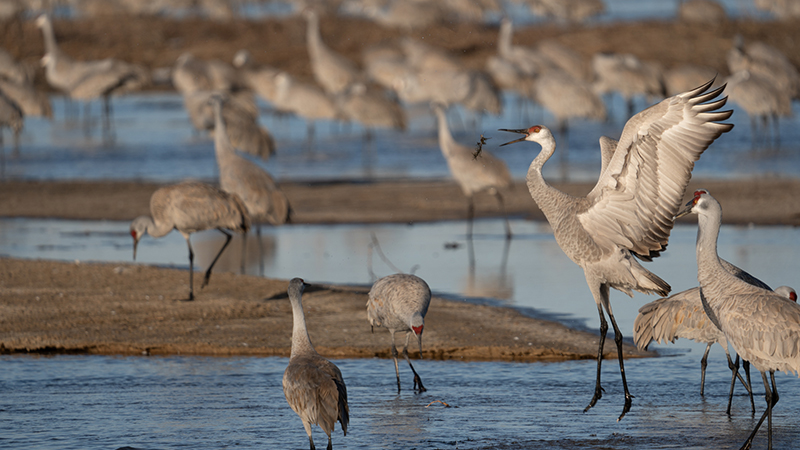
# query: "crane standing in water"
[630,211]
[399,302]
[761,325]
[313,386]
[190,207]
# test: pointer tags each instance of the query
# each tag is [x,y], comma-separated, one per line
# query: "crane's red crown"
[417,330]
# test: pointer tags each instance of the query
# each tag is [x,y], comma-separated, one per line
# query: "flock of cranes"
[626,218]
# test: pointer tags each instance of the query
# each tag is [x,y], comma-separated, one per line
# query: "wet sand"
[134,309]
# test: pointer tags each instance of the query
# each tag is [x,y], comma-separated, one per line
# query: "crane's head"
[698,201]
[536,133]
[138,229]
[788,292]
[42,20]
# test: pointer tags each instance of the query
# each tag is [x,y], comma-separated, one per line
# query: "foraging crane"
[630,210]
[760,99]
[399,302]
[10,117]
[191,74]
[760,324]
[87,80]
[260,80]
[261,196]
[333,72]
[313,386]
[190,207]
[473,171]
[681,316]
[627,75]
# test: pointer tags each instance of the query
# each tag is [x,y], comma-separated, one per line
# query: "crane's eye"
[535,129]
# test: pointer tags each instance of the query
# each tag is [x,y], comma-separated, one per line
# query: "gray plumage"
[262,197]
[399,303]
[682,316]
[313,386]
[88,80]
[190,207]
[333,72]
[630,210]
[762,326]
[473,171]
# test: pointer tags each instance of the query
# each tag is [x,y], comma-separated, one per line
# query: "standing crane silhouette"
[265,202]
[87,80]
[629,213]
[313,386]
[473,172]
[682,316]
[333,72]
[190,207]
[399,302]
[760,324]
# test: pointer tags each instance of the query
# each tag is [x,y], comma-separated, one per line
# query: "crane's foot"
[190,298]
[418,384]
[627,407]
[598,394]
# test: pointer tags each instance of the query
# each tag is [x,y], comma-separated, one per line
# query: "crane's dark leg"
[618,341]
[703,365]
[771,401]
[500,202]
[598,390]
[330,443]
[417,379]
[244,253]
[191,270]
[396,369]
[470,215]
[307,426]
[746,366]
[260,251]
[108,131]
[227,241]
[734,366]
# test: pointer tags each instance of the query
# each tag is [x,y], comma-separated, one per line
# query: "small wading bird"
[682,316]
[761,325]
[190,207]
[630,211]
[313,386]
[399,302]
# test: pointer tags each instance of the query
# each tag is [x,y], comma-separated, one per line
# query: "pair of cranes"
[313,386]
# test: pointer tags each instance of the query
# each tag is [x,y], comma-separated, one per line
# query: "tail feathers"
[643,326]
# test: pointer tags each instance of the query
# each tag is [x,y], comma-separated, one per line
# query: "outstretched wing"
[642,188]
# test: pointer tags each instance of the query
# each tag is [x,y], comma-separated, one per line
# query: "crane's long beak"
[419,340]
[418,333]
[687,209]
[522,131]
[135,244]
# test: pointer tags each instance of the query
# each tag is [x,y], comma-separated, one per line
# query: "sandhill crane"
[767,62]
[191,74]
[261,196]
[627,75]
[630,210]
[10,117]
[313,386]
[474,172]
[371,108]
[30,101]
[759,98]
[240,112]
[681,316]
[190,207]
[574,11]
[761,325]
[259,79]
[88,80]
[568,98]
[570,61]
[333,72]
[306,100]
[531,62]
[399,302]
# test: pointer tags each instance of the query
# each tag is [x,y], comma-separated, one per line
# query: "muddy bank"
[56,307]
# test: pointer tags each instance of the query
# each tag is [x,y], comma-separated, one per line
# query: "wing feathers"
[652,165]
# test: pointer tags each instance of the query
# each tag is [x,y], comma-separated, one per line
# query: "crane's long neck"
[549,199]
[445,137]
[313,37]
[504,39]
[301,343]
[155,228]
[222,144]
[50,45]
[711,274]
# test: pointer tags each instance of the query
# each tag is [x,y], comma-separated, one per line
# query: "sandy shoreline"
[135,309]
